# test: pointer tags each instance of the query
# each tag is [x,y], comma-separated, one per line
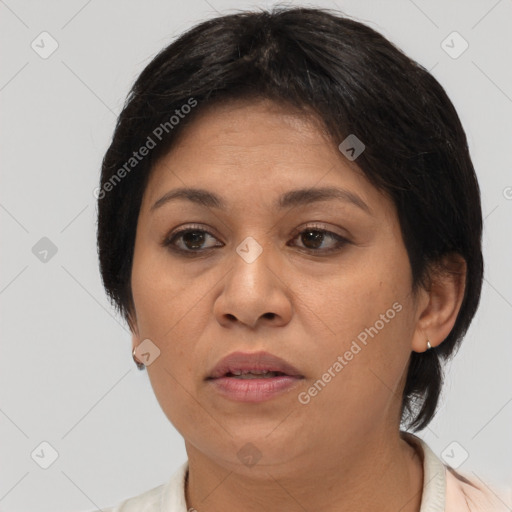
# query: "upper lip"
[252,361]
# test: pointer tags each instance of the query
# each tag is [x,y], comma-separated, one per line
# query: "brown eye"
[312,238]
[190,240]
[320,240]
[193,239]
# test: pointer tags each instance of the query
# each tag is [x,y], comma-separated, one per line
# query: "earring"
[140,365]
[429,346]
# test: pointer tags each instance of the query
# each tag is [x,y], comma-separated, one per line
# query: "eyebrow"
[292,198]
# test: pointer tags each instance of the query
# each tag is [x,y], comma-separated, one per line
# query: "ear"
[439,305]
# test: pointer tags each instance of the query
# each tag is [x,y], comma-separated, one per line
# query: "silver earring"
[429,346]
[140,365]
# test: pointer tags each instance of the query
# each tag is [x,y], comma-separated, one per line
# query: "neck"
[382,472]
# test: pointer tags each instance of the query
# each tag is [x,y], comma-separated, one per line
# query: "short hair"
[356,82]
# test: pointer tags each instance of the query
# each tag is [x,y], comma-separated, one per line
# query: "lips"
[253,377]
[241,363]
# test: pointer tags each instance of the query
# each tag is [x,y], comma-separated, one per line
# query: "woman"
[289,201]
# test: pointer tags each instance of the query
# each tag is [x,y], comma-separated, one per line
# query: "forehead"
[255,149]
[252,128]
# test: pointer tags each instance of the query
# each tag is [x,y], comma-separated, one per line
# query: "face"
[322,282]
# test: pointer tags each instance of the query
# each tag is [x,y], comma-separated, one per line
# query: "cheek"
[169,313]
[366,320]
[354,299]
[164,298]
[171,392]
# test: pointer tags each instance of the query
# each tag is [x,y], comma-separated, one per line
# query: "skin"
[342,451]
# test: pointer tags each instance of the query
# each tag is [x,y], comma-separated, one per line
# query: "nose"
[254,293]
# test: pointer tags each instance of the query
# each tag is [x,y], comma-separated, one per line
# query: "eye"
[313,237]
[189,240]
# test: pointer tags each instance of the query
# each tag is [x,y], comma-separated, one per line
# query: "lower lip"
[254,390]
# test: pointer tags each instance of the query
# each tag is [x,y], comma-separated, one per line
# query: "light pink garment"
[475,496]
[447,490]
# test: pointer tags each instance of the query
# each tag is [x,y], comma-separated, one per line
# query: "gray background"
[66,372]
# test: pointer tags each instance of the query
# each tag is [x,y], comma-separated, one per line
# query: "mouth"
[259,365]
[256,377]
[253,374]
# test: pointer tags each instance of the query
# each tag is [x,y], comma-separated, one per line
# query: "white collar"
[433,498]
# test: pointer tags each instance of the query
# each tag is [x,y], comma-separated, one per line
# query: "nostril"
[269,315]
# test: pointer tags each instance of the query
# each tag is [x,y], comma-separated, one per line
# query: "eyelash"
[169,241]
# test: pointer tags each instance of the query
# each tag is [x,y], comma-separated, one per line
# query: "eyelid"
[317,226]
[191,227]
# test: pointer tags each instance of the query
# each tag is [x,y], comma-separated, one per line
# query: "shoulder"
[451,491]
[470,494]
